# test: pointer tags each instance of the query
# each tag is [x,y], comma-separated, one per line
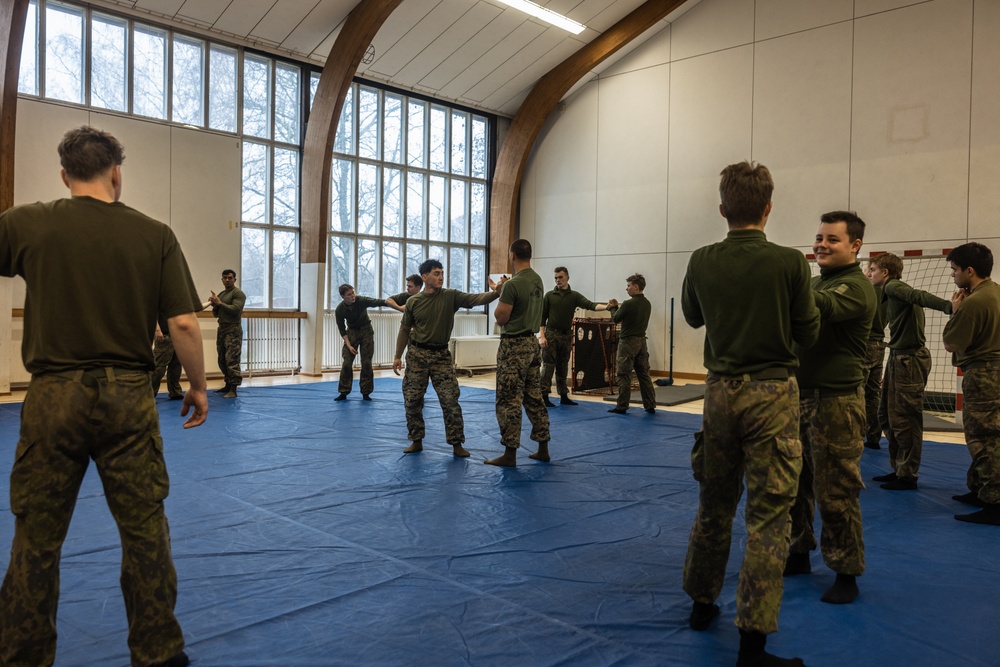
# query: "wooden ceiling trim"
[12,18]
[359,29]
[535,110]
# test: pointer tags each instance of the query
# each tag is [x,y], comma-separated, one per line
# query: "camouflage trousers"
[633,355]
[437,366]
[64,424]
[874,361]
[981,417]
[363,341]
[518,361]
[166,362]
[229,345]
[555,360]
[831,429]
[901,410]
[751,430]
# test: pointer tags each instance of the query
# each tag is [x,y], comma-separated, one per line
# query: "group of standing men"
[788,357]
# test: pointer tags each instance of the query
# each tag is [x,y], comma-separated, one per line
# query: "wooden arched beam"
[12,17]
[535,110]
[360,28]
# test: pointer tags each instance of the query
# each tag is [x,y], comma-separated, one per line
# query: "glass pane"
[477,216]
[459,221]
[392,202]
[286,190]
[253,280]
[479,147]
[368,123]
[255,173]
[108,63]
[64,53]
[367,199]
[342,196]
[344,142]
[392,269]
[286,269]
[367,267]
[439,139]
[415,140]
[27,81]
[416,227]
[313,86]
[222,89]
[392,129]
[149,72]
[415,255]
[477,270]
[256,96]
[456,277]
[189,82]
[459,143]
[437,220]
[440,253]
[341,266]
[287,103]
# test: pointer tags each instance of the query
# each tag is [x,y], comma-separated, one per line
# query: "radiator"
[272,345]
[474,352]
[386,325]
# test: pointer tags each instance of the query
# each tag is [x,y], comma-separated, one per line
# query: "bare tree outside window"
[64,66]
[109,63]
[27,81]
[189,82]
[149,72]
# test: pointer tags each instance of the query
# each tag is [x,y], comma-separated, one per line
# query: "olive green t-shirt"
[231,309]
[974,329]
[633,315]
[559,305]
[846,302]
[430,318]
[905,313]
[98,276]
[524,293]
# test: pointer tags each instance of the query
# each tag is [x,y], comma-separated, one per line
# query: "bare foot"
[417,446]
[508,460]
[542,454]
[460,451]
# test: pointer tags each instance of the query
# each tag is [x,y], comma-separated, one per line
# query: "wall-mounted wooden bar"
[535,110]
[359,29]
[12,17]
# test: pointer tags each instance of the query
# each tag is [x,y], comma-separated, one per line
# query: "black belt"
[975,365]
[909,351]
[766,374]
[429,346]
[826,393]
[523,334]
[97,373]
[556,331]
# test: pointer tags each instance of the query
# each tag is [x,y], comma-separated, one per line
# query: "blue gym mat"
[304,537]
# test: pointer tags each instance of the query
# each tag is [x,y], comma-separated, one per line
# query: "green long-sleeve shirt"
[905,313]
[231,309]
[847,306]
[633,315]
[355,316]
[754,299]
[974,330]
[431,317]
[559,305]
[880,319]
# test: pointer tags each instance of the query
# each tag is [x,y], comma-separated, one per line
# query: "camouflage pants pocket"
[786,466]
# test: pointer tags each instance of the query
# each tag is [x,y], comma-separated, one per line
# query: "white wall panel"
[711,98]
[866,7]
[655,51]
[910,139]
[783,17]
[802,126]
[40,128]
[984,163]
[632,161]
[712,26]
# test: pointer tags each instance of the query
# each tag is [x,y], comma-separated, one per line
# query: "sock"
[752,653]
[702,615]
[843,591]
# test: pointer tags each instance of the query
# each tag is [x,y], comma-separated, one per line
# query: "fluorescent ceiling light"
[546,15]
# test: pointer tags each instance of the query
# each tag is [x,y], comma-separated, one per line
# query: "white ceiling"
[479,53]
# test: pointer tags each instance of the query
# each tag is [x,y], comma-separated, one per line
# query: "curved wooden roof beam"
[358,32]
[535,110]
[12,17]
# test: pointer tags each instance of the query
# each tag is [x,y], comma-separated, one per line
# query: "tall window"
[408,183]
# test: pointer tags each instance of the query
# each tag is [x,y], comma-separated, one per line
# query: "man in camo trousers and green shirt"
[754,300]
[832,409]
[89,398]
[428,319]
[519,358]
[972,335]
[227,305]
[633,315]
[356,329]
